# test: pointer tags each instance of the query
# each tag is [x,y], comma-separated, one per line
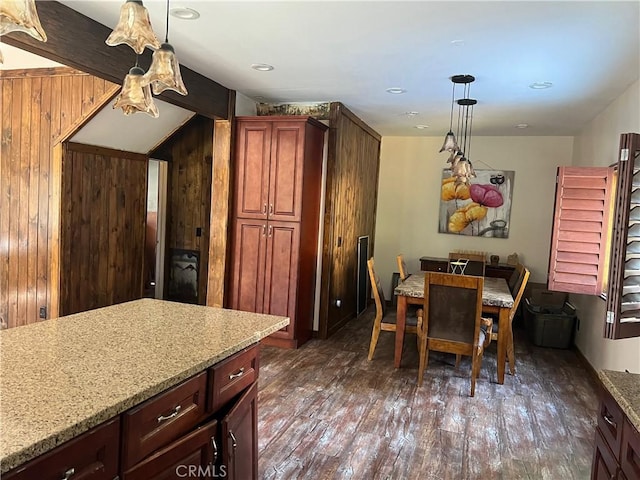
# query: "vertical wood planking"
[105,197]
[350,206]
[189,193]
[36,109]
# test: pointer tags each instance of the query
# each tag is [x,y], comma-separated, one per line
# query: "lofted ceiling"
[353,51]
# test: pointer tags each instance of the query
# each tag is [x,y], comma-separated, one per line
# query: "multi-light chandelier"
[459,144]
[20,16]
[134,29]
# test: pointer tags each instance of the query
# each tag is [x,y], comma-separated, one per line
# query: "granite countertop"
[625,389]
[61,377]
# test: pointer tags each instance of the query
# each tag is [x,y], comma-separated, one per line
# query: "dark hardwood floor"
[325,412]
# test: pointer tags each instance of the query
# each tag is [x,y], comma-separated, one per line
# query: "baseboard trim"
[585,363]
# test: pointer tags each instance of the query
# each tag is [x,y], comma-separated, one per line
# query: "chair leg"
[511,353]
[424,357]
[458,358]
[475,368]
[374,338]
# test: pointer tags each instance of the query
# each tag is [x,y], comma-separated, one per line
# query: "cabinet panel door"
[287,161]
[191,456]
[252,174]
[91,456]
[630,453]
[248,265]
[604,464]
[240,437]
[281,273]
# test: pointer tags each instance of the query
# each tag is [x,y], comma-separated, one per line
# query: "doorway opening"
[154,250]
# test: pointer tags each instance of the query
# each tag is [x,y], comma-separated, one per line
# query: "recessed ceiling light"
[411,114]
[522,125]
[541,85]
[184,13]
[422,127]
[457,43]
[262,67]
[396,90]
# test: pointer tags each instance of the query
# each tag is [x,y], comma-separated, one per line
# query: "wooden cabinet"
[91,456]
[240,439]
[617,444]
[277,190]
[205,427]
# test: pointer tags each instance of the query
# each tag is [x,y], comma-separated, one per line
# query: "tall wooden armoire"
[276,215]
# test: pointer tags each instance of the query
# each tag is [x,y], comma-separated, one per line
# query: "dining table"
[496,299]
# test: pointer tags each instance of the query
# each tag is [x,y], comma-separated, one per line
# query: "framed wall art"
[480,208]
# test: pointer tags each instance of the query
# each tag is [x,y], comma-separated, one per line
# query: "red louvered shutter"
[579,244]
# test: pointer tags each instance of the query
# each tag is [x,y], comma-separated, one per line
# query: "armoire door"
[281,272]
[250,240]
[253,149]
[286,171]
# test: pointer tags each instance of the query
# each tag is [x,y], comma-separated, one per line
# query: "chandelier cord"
[453,96]
[166,34]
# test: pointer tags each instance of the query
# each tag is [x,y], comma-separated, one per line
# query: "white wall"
[597,145]
[409,197]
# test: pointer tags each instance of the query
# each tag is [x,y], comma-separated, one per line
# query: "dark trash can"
[552,324]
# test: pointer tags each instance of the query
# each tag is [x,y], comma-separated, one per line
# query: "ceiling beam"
[78,41]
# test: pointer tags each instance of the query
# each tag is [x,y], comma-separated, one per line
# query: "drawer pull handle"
[174,414]
[264,209]
[609,420]
[234,442]
[69,473]
[271,208]
[215,449]
[237,375]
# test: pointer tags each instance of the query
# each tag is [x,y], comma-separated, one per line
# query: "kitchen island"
[62,377]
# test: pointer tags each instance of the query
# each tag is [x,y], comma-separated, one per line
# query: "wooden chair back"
[515,278]
[519,289]
[378,292]
[451,319]
[475,264]
[402,267]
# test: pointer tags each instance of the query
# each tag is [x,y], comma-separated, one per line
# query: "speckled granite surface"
[625,389]
[495,291]
[61,377]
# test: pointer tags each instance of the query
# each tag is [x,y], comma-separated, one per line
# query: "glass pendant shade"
[134,28]
[164,72]
[21,16]
[134,97]
[450,144]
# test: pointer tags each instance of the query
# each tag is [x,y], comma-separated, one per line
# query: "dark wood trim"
[164,139]
[588,367]
[40,72]
[107,152]
[341,109]
[78,41]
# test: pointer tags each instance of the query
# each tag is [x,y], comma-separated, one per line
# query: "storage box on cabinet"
[90,456]
[162,419]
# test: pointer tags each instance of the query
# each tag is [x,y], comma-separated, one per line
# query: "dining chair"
[518,292]
[466,263]
[451,320]
[402,267]
[385,319]
[516,277]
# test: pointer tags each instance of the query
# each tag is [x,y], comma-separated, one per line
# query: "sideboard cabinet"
[277,190]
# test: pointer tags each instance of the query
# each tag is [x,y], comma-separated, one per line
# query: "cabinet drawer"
[630,453]
[91,456]
[162,419]
[433,265]
[231,376]
[610,419]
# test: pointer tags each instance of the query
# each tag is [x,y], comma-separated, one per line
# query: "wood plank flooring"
[325,412]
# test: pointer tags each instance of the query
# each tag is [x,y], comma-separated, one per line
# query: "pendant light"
[21,16]
[134,97]
[461,167]
[164,72]
[134,28]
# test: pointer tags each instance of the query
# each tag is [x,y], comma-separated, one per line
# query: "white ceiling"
[352,51]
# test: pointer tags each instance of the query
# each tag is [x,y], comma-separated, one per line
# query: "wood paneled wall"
[36,112]
[353,164]
[103,222]
[189,194]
